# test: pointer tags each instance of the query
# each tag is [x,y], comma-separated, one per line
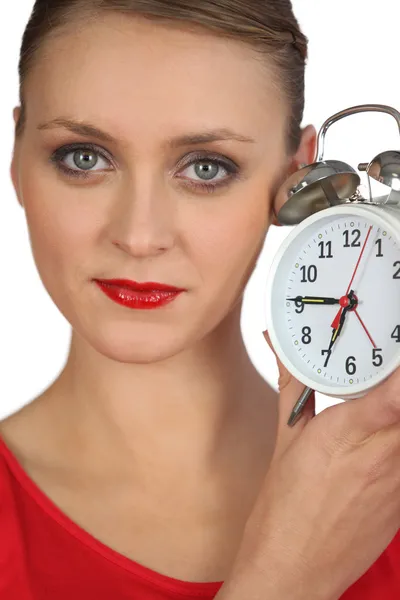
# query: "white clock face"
[335,301]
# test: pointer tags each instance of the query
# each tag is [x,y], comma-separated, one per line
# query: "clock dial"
[338,288]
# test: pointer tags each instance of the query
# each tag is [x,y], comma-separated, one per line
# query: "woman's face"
[142,211]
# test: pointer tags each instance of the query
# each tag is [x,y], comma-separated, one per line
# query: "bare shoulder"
[24,434]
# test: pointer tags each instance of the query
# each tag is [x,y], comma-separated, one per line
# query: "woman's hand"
[330,502]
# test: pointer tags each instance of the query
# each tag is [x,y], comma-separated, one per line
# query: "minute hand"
[315,300]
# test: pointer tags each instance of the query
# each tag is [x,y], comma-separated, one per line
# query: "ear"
[305,155]
[14,162]
[307,149]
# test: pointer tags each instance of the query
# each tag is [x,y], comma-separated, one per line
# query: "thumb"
[290,390]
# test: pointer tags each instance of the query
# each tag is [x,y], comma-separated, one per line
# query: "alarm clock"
[332,300]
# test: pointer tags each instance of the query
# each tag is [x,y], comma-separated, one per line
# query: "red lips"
[142,296]
[136,286]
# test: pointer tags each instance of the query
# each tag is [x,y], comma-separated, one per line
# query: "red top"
[45,555]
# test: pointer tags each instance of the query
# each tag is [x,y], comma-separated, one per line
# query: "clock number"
[328,352]
[379,242]
[321,245]
[300,305]
[356,233]
[351,365]
[397,274]
[377,357]
[309,274]
[306,331]
[396,333]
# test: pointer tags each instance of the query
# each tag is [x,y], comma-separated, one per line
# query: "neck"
[204,408]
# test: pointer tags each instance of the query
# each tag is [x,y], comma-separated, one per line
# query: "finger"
[378,409]
[290,390]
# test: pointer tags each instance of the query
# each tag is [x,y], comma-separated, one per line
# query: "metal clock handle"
[351,111]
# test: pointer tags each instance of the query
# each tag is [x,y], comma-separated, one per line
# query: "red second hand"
[365,329]
[359,259]
[344,301]
[336,320]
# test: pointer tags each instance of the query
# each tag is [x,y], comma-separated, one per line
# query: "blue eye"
[84,158]
[79,160]
[210,166]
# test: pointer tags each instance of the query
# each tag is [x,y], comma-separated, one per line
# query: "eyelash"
[228,165]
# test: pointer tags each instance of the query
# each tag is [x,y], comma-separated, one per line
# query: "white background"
[354,59]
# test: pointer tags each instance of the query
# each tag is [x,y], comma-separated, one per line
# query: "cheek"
[61,226]
[228,243]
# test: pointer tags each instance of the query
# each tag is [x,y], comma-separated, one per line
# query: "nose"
[143,221]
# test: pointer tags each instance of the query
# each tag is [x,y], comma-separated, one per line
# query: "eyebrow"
[89,130]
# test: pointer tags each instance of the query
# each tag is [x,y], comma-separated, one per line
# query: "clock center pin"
[351,300]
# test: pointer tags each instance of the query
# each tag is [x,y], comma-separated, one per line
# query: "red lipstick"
[147,295]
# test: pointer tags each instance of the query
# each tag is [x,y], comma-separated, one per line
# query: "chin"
[136,344]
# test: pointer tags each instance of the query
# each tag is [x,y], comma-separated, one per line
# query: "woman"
[150,141]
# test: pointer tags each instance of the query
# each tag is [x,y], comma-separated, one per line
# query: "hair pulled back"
[269,26]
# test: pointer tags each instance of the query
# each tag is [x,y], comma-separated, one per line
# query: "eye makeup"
[204,157]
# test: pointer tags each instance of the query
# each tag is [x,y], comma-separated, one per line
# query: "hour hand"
[337,330]
[338,321]
[314,300]
[337,326]
[335,334]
